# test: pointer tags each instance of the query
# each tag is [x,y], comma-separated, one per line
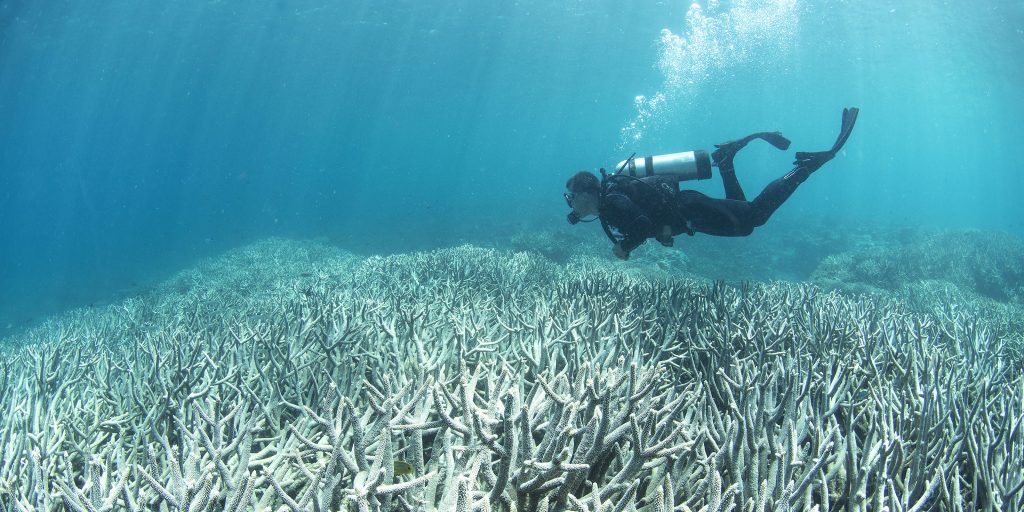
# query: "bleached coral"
[506,382]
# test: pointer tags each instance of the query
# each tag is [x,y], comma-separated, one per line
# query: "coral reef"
[556,244]
[291,377]
[987,264]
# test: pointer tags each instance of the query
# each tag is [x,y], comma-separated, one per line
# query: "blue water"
[136,137]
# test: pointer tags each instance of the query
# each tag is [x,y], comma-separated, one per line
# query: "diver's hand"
[619,252]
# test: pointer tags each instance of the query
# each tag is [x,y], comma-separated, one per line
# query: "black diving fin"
[811,161]
[775,139]
[727,150]
[849,119]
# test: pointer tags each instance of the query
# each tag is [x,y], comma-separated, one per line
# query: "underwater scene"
[455,255]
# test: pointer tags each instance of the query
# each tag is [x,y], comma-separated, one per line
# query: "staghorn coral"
[990,265]
[507,383]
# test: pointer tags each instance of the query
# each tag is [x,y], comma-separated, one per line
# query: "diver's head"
[583,192]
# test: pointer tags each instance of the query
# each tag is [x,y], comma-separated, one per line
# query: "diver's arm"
[634,224]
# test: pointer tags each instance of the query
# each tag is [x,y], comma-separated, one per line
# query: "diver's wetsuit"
[640,209]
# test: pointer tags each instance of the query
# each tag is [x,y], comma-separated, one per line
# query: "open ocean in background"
[138,137]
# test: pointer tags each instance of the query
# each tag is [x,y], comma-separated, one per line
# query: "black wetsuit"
[639,210]
[642,209]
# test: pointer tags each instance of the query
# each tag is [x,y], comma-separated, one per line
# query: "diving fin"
[727,150]
[775,139]
[849,119]
[811,161]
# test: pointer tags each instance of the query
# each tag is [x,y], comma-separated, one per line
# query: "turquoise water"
[310,256]
[137,137]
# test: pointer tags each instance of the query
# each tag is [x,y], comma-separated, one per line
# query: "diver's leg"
[733,190]
[778,191]
[719,217]
[773,195]
[725,152]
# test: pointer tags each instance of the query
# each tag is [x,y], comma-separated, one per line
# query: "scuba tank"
[685,166]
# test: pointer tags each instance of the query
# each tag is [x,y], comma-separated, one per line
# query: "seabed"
[293,376]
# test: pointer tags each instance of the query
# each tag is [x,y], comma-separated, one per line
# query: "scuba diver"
[642,200]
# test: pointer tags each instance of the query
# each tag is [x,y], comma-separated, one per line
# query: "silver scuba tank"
[685,166]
